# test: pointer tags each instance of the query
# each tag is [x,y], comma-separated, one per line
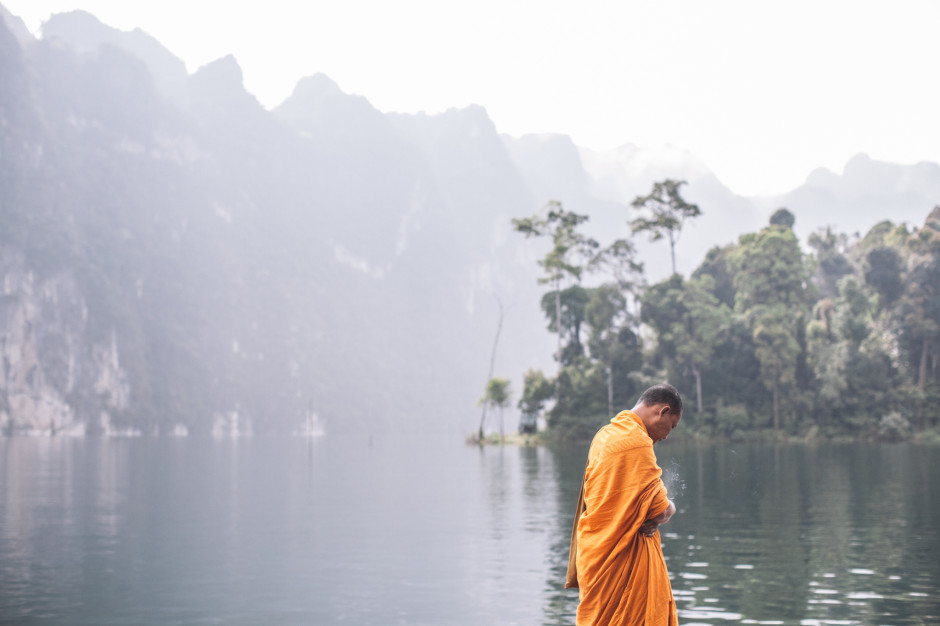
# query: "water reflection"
[561,604]
[790,534]
[398,531]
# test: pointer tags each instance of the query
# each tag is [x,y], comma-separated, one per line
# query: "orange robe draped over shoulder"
[621,574]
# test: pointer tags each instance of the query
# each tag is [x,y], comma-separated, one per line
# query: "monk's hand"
[648,528]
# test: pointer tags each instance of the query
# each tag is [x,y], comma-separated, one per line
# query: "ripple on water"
[862,572]
[864,595]
[708,613]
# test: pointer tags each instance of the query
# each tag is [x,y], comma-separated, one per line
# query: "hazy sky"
[761,91]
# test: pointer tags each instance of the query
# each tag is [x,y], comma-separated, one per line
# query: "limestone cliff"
[54,378]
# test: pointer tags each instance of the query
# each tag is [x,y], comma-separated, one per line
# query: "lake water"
[353,530]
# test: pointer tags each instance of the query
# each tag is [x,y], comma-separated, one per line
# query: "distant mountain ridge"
[239,265]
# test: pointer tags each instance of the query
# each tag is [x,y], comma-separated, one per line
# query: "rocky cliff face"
[54,378]
[184,260]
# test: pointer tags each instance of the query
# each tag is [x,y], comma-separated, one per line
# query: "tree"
[605,314]
[883,273]
[831,262]
[536,391]
[498,395]
[572,252]
[619,259]
[921,302]
[850,352]
[783,217]
[922,317]
[668,211]
[688,319]
[571,303]
[768,269]
[776,349]
[770,284]
[499,327]
[716,266]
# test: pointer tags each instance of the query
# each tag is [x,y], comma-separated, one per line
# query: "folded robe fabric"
[621,574]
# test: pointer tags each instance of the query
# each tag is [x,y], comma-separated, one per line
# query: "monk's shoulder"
[613,440]
[631,435]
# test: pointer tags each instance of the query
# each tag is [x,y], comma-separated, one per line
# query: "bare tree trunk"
[499,328]
[776,410]
[922,371]
[922,383]
[558,328]
[672,251]
[558,316]
[610,391]
[502,434]
[698,388]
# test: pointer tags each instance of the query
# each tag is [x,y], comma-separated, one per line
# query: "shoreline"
[547,438]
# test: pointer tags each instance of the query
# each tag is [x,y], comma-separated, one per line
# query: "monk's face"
[663,423]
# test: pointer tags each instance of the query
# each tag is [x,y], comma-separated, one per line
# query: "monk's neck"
[625,416]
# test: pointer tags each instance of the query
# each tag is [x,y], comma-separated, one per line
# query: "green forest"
[764,338]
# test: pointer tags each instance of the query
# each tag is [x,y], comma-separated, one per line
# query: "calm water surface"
[398,531]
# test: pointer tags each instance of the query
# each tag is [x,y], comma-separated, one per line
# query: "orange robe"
[621,573]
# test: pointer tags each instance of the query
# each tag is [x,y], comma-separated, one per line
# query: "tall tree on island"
[572,252]
[668,212]
[499,328]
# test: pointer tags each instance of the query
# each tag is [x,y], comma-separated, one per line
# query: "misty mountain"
[247,266]
[85,34]
[865,193]
[16,26]
[175,256]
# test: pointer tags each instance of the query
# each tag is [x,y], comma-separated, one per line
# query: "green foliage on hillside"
[763,337]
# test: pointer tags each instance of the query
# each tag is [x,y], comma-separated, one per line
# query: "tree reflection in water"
[798,534]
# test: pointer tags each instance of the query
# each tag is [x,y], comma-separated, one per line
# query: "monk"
[616,558]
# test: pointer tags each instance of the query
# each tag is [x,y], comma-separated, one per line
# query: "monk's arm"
[649,526]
